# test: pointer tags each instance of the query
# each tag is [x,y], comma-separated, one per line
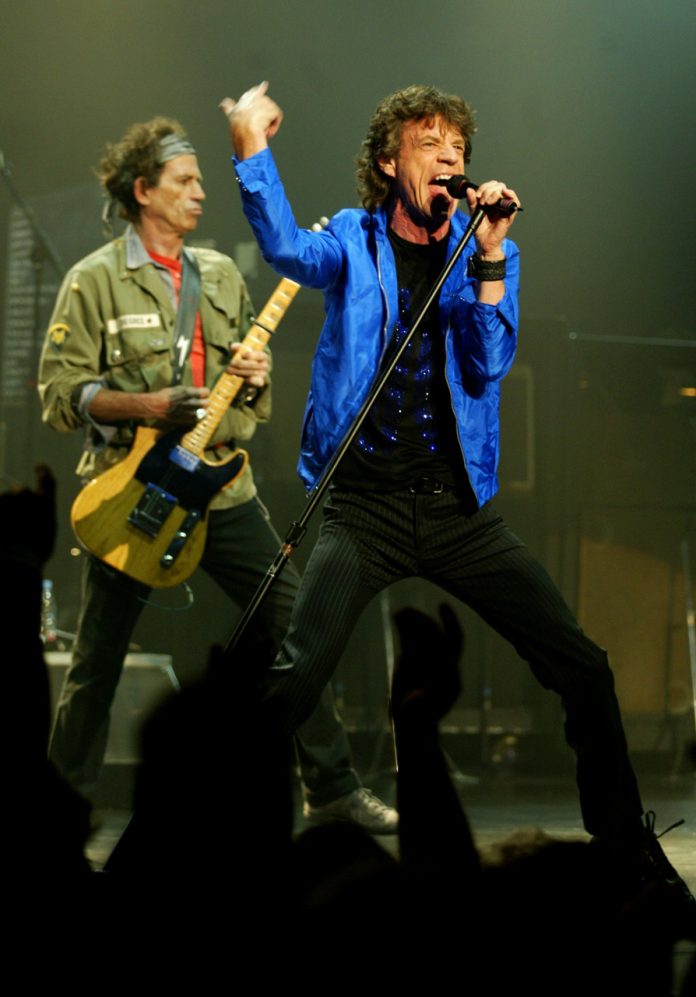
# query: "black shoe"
[646,874]
[656,865]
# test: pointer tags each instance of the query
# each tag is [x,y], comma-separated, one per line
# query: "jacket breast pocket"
[223,319]
[138,357]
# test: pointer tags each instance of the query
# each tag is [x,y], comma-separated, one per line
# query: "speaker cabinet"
[145,681]
[632,601]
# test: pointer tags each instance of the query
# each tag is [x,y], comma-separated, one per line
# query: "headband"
[172,146]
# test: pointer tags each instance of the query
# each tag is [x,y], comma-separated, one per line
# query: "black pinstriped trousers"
[369,540]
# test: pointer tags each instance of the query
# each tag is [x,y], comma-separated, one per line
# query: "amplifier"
[145,681]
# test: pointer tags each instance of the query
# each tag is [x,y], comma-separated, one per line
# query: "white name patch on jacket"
[150,320]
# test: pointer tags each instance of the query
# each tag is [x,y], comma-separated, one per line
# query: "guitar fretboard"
[228,386]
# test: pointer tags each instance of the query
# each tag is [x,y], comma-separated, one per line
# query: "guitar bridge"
[153,510]
[179,539]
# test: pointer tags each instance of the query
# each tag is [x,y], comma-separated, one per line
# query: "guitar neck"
[228,386]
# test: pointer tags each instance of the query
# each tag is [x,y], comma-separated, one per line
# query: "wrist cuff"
[486,269]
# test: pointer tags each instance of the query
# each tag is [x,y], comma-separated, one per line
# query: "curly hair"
[136,155]
[383,139]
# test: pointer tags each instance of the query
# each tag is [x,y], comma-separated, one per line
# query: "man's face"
[430,149]
[175,204]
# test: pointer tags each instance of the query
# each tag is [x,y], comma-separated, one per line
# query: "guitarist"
[119,353]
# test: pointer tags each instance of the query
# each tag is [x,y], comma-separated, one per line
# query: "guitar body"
[147,515]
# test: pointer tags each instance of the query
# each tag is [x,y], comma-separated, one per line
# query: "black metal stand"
[297,531]
[42,250]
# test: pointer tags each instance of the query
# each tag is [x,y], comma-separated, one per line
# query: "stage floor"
[496,807]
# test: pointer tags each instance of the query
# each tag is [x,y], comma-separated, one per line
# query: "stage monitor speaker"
[146,680]
[632,602]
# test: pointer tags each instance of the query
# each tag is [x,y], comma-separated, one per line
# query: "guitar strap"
[185,324]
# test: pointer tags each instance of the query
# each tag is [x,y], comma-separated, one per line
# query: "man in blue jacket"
[412,496]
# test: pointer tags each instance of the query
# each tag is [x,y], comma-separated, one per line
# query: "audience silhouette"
[210,880]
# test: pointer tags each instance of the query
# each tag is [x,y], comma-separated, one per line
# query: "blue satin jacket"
[352,262]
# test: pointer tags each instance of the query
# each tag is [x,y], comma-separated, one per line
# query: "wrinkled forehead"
[416,128]
[185,165]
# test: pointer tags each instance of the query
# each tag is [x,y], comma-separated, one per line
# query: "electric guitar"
[147,515]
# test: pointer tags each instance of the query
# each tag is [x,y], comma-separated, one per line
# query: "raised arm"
[311,258]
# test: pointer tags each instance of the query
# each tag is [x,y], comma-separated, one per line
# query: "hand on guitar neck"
[252,365]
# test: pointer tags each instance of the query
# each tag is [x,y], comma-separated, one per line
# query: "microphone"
[459,184]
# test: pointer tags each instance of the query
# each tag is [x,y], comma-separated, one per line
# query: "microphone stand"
[298,529]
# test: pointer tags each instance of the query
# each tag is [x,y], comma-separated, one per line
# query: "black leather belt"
[429,486]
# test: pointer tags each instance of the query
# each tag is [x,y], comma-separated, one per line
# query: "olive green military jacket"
[114,324]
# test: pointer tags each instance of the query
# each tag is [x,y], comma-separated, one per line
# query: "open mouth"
[438,184]
[441,199]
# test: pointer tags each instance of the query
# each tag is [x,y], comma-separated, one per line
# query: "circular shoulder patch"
[58,333]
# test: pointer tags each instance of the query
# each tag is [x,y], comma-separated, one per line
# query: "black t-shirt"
[410,431]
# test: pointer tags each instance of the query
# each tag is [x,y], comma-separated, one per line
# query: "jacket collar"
[459,221]
[146,271]
[136,254]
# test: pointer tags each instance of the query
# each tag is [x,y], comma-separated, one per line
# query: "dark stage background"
[585,108]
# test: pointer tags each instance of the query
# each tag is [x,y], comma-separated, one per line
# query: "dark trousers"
[240,545]
[369,540]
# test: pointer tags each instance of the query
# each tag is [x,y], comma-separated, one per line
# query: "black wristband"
[486,269]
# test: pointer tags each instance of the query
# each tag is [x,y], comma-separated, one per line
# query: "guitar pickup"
[179,539]
[152,510]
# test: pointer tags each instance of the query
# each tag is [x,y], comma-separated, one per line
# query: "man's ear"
[388,167]
[141,191]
